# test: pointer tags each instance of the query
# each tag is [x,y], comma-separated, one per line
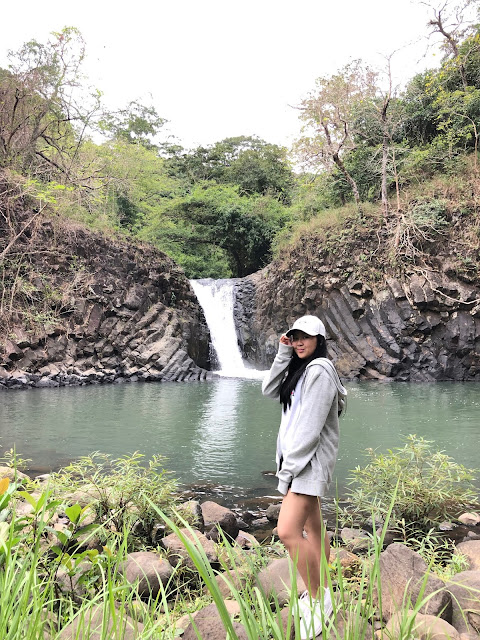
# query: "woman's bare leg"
[298,513]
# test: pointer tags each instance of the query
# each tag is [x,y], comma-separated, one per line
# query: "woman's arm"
[317,397]
[273,381]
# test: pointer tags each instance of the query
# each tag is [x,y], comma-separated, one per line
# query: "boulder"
[208,625]
[98,623]
[348,561]
[273,512]
[246,540]
[470,549]
[425,627]
[349,625]
[231,578]
[465,593]
[355,539]
[276,579]
[215,515]
[178,552]
[470,519]
[148,569]
[74,585]
[192,512]
[403,575]
[10,473]
[287,623]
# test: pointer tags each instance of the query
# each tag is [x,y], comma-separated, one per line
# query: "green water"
[224,432]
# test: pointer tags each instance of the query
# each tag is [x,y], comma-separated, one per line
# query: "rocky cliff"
[421,326]
[79,307]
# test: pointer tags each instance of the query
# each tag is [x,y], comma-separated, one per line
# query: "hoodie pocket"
[319,468]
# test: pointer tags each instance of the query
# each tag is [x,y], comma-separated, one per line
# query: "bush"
[121,491]
[422,487]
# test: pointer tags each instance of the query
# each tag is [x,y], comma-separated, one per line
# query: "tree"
[136,124]
[451,23]
[328,114]
[252,164]
[44,113]
[216,217]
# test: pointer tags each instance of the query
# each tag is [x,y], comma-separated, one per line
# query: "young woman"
[311,396]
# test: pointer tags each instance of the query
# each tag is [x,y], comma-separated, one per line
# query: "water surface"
[224,432]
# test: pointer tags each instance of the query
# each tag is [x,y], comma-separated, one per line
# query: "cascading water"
[216,297]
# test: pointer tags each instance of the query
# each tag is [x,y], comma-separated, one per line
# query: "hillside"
[400,296]
[79,306]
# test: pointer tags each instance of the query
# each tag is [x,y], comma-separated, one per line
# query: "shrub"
[424,486]
[120,490]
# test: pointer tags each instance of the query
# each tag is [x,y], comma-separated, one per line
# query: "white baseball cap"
[311,325]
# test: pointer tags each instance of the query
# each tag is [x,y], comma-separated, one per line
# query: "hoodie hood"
[332,372]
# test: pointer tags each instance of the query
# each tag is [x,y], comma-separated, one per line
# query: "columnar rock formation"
[117,311]
[423,327]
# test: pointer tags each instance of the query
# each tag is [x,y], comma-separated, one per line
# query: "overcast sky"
[218,68]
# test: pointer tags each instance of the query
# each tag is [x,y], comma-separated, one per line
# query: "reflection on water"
[224,431]
[217,431]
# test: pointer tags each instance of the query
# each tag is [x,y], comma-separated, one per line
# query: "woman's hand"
[285,340]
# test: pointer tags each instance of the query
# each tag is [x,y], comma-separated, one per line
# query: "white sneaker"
[313,615]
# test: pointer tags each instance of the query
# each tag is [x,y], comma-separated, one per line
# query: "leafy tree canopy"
[252,164]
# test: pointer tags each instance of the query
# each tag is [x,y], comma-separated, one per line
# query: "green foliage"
[120,489]
[253,165]
[214,221]
[439,553]
[425,486]
[136,124]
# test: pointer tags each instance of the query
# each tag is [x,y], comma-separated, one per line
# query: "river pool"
[222,433]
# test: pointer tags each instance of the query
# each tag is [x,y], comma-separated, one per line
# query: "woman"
[312,397]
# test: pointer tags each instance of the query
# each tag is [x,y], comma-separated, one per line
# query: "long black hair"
[296,368]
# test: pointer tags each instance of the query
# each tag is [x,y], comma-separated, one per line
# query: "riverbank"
[173,568]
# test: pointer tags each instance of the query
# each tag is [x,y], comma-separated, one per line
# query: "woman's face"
[303,344]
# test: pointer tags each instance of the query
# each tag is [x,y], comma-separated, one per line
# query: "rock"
[192,512]
[414,328]
[246,540]
[215,515]
[209,625]
[425,627]
[348,561]
[20,337]
[471,550]
[465,592]
[260,523]
[98,623]
[12,352]
[273,512]
[287,623]
[149,569]
[129,297]
[135,297]
[74,585]
[446,526]
[236,578]
[470,519]
[10,473]
[178,552]
[276,579]
[402,576]
[355,539]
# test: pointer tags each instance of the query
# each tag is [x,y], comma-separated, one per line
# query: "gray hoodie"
[307,466]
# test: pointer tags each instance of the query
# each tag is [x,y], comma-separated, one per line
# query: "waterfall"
[217,297]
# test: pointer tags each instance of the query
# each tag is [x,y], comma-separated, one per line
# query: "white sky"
[218,68]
